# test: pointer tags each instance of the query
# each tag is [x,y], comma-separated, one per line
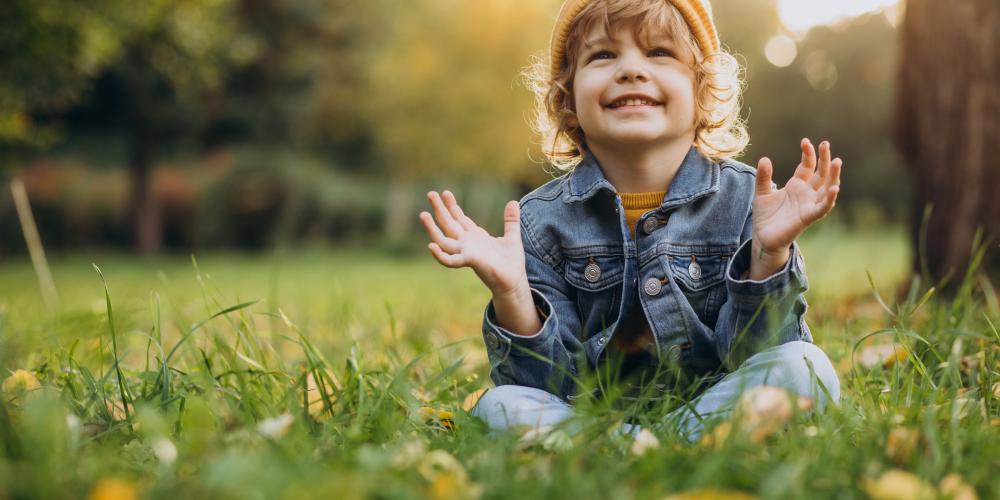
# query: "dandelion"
[113,489]
[644,442]
[276,427]
[443,418]
[447,478]
[711,494]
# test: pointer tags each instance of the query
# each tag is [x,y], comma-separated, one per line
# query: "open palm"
[457,241]
[781,215]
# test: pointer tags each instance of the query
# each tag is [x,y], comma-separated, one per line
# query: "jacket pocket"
[597,279]
[701,277]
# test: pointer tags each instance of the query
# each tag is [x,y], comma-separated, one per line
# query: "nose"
[630,71]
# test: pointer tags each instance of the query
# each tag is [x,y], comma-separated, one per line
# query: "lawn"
[344,373]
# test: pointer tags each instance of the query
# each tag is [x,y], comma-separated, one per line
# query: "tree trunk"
[146,218]
[948,130]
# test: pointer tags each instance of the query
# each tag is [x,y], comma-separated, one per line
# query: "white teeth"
[632,102]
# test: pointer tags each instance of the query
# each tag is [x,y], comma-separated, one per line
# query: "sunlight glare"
[800,15]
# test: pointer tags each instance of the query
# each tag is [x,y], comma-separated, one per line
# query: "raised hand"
[781,215]
[456,241]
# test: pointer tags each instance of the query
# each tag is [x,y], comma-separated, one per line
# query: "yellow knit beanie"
[696,13]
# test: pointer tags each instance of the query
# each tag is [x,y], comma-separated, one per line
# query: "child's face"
[628,94]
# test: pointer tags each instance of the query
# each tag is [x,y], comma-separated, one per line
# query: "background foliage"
[327,119]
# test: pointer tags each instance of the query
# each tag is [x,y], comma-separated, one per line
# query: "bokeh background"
[184,126]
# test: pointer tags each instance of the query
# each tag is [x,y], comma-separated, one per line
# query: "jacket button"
[694,270]
[601,340]
[650,225]
[491,339]
[652,286]
[592,272]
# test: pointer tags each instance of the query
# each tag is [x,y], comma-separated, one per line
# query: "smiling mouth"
[633,102]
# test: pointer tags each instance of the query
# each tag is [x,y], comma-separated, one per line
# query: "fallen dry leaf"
[901,443]
[717,436]
[644,442]
[762,411]
[20,382]
[884,355]
[954,488]
[896,484]
[470,401]
[315,392]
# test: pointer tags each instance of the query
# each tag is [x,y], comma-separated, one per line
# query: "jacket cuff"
[745,291]
[501,339]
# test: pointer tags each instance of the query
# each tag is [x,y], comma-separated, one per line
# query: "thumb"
[512,220]
[764,172]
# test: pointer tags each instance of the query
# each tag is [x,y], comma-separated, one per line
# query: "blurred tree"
[443,95]
[178,56]
[948,128]
[49,53]
[157,52]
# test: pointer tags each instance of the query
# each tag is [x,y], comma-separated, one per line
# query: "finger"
[764,172]
[447,244]
[444,219]
[823,169]
[512,221]
[456,211]
[447,260]
[836,166]
[808,162]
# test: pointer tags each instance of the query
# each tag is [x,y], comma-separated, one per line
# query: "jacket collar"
[697,177]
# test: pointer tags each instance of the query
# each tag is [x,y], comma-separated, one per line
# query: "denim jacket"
[686,267]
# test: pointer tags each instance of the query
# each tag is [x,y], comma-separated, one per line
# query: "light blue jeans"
[799,367]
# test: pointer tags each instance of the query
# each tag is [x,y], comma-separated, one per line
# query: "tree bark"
[145,215]
[948,130]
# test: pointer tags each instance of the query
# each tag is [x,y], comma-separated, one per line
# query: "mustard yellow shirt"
[634,336]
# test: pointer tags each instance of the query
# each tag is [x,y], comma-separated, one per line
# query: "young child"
[656,253]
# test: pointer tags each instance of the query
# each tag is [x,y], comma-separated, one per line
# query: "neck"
[641,169]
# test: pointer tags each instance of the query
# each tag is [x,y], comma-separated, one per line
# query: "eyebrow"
[596,41]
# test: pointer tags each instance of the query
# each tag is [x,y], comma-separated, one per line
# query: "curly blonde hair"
[720,132]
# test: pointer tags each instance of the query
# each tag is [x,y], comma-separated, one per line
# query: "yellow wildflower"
[113,489]
[711,494]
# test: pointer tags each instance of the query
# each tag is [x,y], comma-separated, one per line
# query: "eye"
[661,52]
[601,54]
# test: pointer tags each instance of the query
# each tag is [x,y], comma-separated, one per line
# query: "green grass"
[384,336]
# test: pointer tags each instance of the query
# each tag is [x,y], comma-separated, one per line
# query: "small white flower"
[164,450]
[73,423]
[644,441]
[409,454]
[276,427]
